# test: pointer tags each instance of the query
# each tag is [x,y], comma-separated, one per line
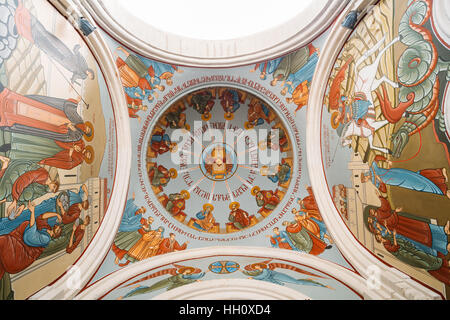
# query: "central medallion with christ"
[220,160]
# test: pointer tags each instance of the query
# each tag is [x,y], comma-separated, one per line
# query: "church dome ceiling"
[153,166]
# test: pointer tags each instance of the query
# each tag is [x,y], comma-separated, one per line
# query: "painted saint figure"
[303,240]
[204,220]
[160,176]
[24,180]
[160,143]
[168,245]
[175,203]
[203,102]
[25,244]
[238,217]
[266,199]
[426,180]
[266,272]
[29,27]
[42,116]
[178,278]
[78,230]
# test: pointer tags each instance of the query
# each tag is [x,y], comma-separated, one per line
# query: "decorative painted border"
[153,43]
[79,274]
[348,278]
[395,284]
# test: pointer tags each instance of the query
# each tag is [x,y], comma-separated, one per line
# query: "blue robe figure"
[322,227]
[160,138]
[304,73]
[284,236]
[236,104]
[36,238]
[49,205]
[280,278]
[76,197]
[201,215]
[270,67]
[285,174]
[130,220]
[260,121]
[438,244]
[159,69]
[403,178]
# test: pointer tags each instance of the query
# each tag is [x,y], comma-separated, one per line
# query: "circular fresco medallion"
[224,267]
[219,160]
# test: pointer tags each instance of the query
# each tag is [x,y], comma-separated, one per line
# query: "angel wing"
[171,271]
[335,89]
[275,265]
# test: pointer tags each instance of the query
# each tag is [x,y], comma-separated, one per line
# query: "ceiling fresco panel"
[385,137]
[57,147]
[219,158]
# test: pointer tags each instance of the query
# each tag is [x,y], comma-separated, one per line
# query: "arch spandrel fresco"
[57,147]
[189,187]
[385,137]
[311,282]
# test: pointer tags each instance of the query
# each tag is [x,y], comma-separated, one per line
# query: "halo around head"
[185,193]
[208,205]
[91,150]
[234,203]
[255,190]
[90,136]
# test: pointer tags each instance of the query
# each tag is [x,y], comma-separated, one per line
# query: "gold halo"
[255,190]
[253,265]
[91,150]
[174,148]
[333,117]
[264,168]
[206,117]
[262,145]
[206,205]
[183,269]
[175,174]
[228,116]
[248,126]
[234,202]
[91,126]
[186,193]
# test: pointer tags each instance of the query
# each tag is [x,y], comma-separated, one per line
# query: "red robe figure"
[77,235]
[170,245]
[238,217]
[71,155]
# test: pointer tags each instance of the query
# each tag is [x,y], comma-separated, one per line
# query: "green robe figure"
[15,169]
[175,281]
[408,253]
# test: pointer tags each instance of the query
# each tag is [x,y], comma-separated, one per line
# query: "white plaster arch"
[232,289]
[396,284]
[156,44]
[81,271]
[351,279]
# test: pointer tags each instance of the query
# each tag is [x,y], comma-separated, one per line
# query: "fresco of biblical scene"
[388,123]
[219,185]
[54,178]
[312,283]
[138,238]
[293,73]
[305,230]
[143,80]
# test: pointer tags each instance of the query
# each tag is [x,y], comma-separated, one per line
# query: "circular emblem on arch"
[224,267]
